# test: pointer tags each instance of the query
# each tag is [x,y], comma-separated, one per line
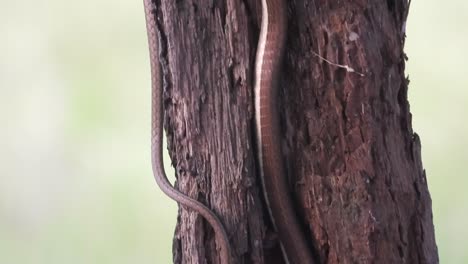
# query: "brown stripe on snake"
[157,136]
[275,186]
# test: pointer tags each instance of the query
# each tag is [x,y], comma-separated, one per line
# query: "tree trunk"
[353,161]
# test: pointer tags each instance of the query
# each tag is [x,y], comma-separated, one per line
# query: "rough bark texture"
[353,161]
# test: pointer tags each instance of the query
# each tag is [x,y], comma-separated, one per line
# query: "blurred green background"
[75,179]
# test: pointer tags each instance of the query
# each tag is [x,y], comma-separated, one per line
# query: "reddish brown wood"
[353,159]
[352,152]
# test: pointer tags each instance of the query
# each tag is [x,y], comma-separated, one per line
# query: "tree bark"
[353,160]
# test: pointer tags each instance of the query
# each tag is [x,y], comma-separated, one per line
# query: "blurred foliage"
[75,179]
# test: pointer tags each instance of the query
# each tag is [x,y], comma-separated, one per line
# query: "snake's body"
[157,118]
[275,184]
[280,205]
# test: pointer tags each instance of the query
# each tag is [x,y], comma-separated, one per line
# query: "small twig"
[346,67]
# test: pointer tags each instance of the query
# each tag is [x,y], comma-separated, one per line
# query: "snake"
[267,67]
[157,119]
[280,205]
